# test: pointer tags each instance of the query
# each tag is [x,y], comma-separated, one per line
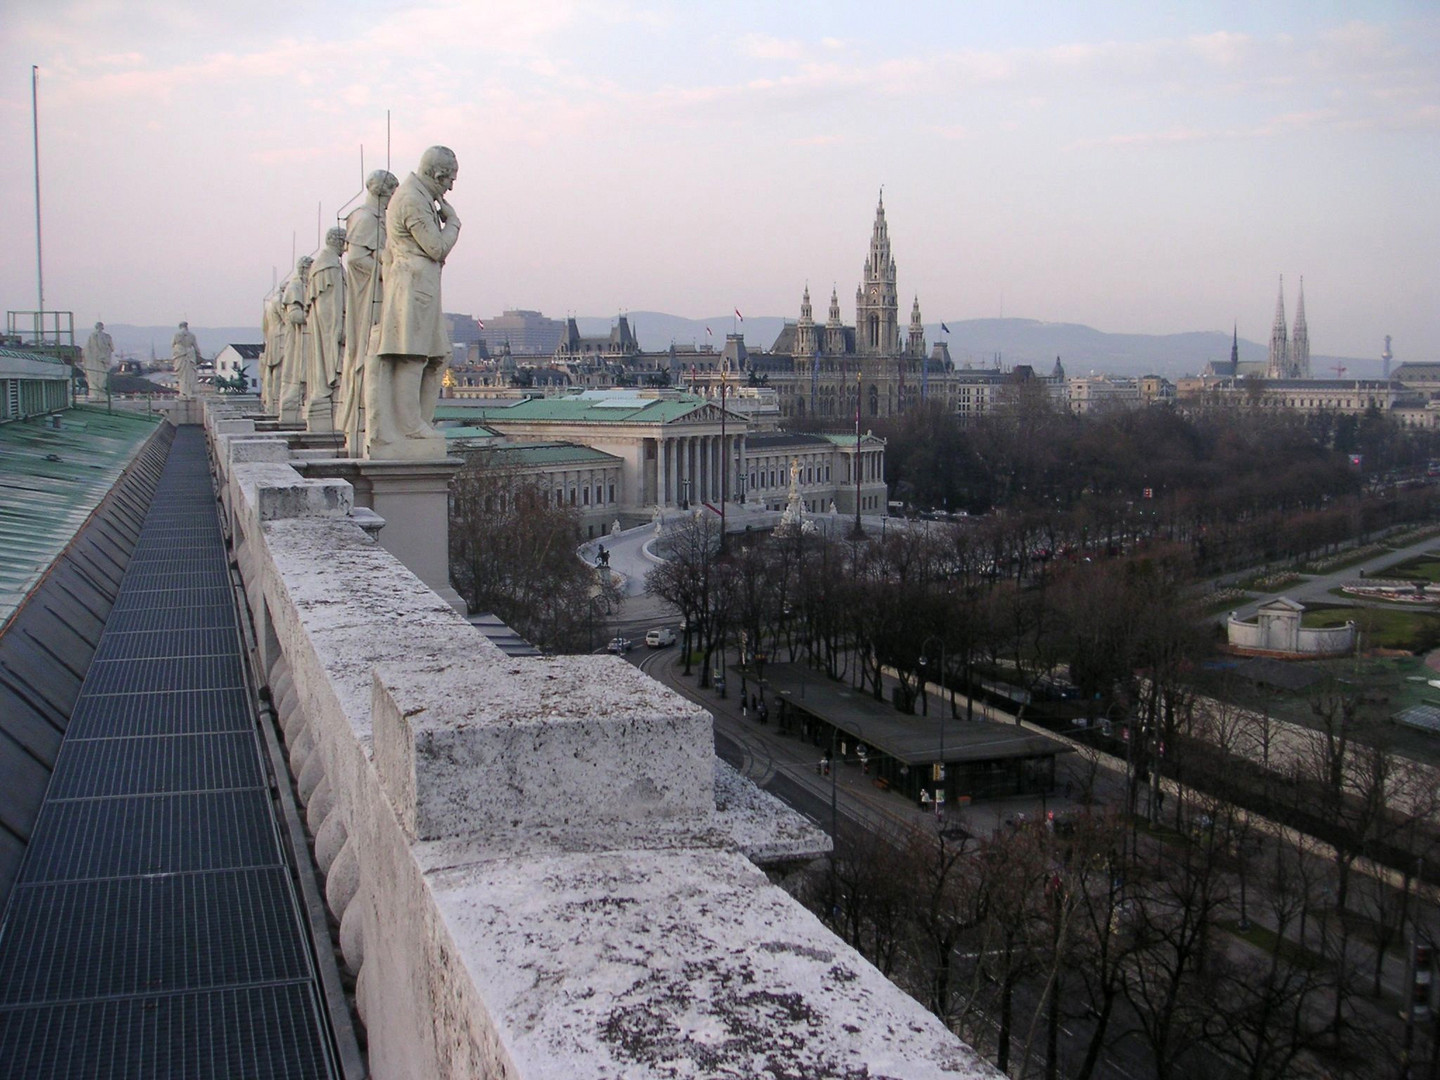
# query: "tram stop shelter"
[982,758]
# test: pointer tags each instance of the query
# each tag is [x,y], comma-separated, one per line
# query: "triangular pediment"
[1281,604]
[708,413]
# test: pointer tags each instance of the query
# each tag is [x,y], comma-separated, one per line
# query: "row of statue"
[358,344]
[100,349]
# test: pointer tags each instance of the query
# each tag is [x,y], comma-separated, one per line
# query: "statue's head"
[99,326]
[440,165]
[335,239]
[381,183]
[184,326]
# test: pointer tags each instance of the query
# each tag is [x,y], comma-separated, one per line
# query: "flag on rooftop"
[738,315]
[709,332]
[944,327]
[480,323]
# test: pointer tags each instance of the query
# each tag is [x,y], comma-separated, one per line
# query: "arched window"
[874,401]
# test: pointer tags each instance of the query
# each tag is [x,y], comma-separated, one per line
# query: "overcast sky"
[1136,167]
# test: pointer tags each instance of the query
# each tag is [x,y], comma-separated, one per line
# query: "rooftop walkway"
[154,928]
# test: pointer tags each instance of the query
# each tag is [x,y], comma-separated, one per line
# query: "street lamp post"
[941,778]
[724,452]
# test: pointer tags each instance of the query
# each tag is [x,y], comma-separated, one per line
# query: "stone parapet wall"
[524,855]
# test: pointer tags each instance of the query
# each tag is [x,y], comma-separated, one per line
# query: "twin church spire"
[1289,353]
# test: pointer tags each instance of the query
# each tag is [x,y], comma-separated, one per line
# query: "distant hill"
[977,342]
[1014,341]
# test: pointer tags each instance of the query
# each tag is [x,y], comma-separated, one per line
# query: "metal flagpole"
[859,529]
[35,128]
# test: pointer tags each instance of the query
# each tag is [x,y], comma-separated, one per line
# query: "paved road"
[1317,588]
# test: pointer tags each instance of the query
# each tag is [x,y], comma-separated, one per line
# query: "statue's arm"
[423,225]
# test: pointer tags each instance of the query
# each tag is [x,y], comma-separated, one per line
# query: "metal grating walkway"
[154,930]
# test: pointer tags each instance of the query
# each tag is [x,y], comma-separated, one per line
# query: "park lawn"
[1383,628]
[1426,567]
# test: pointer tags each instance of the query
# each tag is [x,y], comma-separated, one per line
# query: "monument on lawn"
[402,379]
[364,247]
[98,351]
[794,516]
[185,355]
[292,365]
[325,305]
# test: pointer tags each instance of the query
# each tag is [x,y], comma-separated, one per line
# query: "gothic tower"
[1235,352]
[877,307]
[1300,340]
[1385,358]
[916,344]
[834,328]
[1278,364]
[805,328]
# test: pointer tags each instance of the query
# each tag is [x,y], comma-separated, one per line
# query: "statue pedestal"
[320,416]
[414,499]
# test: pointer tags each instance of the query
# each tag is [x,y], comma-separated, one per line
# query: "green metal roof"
[548,453]
[51,480]
[576,409]
[19,364]
[849,440]
[466,431]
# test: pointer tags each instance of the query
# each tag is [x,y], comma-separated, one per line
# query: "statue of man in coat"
[412,347]
[98,351]
[325,304]
[292,366]
[364,251]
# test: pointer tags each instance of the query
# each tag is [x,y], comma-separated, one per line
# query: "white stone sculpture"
[615,527]
[292,366]
[272,322]
[325,318]
[185,356]
[403,385]
[98,351]
[793,516]
[833,510]
[364,246]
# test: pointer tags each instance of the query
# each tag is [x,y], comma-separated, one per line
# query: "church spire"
[805,328]
[916,343]
[1235,351]
[877,305]
[834,329]
[1300,340]
[1277,367]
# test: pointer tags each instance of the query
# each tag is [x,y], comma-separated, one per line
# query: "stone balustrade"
[534,869]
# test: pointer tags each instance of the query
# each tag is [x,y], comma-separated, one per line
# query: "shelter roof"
[911,740]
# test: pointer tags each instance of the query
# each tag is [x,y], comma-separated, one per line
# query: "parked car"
[620,645]
[660,637]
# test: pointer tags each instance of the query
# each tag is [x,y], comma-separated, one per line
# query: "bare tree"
[513,552]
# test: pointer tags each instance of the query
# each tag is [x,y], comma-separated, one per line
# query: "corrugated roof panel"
[51,480]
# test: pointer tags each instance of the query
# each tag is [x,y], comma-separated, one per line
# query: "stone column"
[687,467]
